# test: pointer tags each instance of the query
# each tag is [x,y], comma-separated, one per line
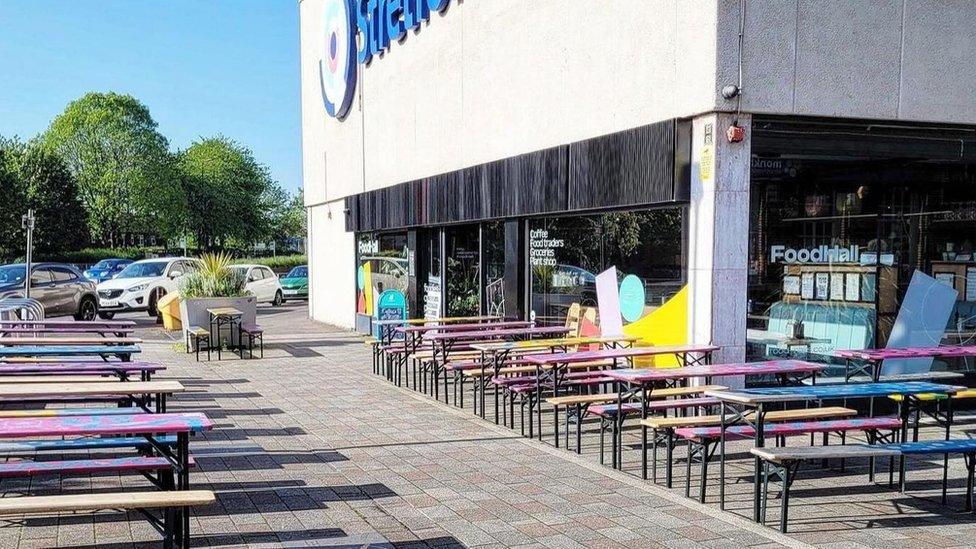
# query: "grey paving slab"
[312,449]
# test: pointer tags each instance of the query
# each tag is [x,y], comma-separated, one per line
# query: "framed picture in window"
[852,287]
[837,286]
[791,285]
[806,286]
[823,286]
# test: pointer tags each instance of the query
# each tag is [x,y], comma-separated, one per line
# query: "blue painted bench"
[141,464]
[783,464]
[21,447]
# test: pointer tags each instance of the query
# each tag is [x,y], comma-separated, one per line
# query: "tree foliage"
[34,178]
[110,144]
[228,193]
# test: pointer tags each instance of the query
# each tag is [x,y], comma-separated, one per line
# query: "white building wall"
[332,266]
[890,60]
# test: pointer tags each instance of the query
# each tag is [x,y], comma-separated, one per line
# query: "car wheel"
[278,300]
[87,310]
[106,315]
[153,298]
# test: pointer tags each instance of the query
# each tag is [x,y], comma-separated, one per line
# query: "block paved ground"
[312,449]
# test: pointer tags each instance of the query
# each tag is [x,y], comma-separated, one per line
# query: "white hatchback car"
[140,285]
[261,282]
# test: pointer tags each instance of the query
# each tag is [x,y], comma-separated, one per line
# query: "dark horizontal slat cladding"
[630,168]
[862,139]
[622,169]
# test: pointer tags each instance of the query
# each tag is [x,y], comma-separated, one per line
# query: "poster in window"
[823,286]
[970,283]
[868,286]
[852,290]
[806,286]
[837,286]
[946,278]
[791,285]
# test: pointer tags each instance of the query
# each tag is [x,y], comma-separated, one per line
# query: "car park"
[105,269]
[60,288]
[261,283]
[295,283]
[140,285]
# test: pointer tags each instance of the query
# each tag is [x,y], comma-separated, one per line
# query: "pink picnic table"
[152,427]
[66,323]
[639,382]
[444,342]
[873,359]
[66,329]
[552,368]
[122,370]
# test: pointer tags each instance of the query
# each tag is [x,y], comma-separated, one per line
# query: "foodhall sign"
[820,254]
[378,23]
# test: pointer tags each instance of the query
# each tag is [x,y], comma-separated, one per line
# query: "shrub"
[281,263]
[213,279]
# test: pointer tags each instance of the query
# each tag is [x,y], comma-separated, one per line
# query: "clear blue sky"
[202,67]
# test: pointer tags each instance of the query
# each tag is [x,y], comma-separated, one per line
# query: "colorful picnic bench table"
[122,352]
[122,370]
[82,323]
[397,356]
[119,331]
[388,328]
[444,342]
[750,406]
[137,392]
[872,360]
[155,429]
[632,383]
[501,351]
[70,340]
[551,369]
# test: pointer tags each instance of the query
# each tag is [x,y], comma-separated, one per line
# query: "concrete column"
[718,232]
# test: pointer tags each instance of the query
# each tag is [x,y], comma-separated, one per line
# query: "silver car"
[60,288]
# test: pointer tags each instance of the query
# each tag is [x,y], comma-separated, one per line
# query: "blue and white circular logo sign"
[337,68]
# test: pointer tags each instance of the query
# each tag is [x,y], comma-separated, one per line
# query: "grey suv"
[60,288]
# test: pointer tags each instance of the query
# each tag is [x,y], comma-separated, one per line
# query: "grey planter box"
[193,312]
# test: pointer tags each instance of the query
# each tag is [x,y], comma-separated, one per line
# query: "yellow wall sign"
[706,162]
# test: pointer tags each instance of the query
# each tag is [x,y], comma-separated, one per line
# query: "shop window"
[567,252]
[835,244]
[462,269]
[382,265]
[494,258]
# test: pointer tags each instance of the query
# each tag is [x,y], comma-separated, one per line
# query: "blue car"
[106,269]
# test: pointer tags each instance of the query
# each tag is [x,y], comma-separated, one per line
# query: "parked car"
[60,288]
[261,282]
[295,283]
[140,285]
[105,269]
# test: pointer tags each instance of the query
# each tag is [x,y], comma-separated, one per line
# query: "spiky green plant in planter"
[213,279]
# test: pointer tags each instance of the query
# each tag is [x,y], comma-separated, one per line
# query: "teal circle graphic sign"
[631,298]
[361,278]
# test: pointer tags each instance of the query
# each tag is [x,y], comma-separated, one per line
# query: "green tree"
[11,206]
[227,193]
[44,184]
[286,215]
[110,144]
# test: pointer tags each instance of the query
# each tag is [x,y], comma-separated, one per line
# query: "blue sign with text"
[382,22]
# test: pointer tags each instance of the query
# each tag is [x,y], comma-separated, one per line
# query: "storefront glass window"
[382,266]
[836,245]
[567,252]
[493,235]
[463,270]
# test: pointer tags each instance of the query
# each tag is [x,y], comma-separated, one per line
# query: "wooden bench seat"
[84,466]
[64,412]
[195,337]
[81,378]
[782,464]
[791,428]
[610,409]
[174,522]
[569,400]
[253,333]
[663,431]
[21,447]
[251,328]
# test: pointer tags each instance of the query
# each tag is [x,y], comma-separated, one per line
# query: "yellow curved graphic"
[666,325]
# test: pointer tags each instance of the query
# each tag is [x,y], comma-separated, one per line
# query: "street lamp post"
[27,222]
